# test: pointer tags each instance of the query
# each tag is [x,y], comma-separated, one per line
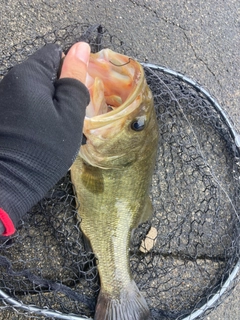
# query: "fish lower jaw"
[128,305]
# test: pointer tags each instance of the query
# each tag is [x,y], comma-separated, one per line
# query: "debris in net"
[148,243]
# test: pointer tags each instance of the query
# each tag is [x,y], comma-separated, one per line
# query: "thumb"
[76,62]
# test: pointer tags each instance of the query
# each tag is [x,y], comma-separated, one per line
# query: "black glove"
[41,121]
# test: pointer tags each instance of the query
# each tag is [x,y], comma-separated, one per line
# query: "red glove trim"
[7,222]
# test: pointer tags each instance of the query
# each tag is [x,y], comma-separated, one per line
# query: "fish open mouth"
[112,81]
[117,89]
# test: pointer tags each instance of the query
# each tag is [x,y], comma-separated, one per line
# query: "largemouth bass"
[112,176]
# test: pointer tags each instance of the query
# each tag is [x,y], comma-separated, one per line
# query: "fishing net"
[185,259]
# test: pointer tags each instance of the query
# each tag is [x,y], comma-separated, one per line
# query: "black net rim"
[229,282]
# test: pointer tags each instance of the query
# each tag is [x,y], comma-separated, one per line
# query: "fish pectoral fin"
[130,304]
[147,211]
[92,179]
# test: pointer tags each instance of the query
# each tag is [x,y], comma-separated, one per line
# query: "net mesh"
[182,258]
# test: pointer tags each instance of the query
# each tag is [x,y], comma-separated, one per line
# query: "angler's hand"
[41,121]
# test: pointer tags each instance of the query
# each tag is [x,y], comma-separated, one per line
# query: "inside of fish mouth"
[108,91]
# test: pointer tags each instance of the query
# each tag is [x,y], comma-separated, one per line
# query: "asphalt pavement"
[198,38]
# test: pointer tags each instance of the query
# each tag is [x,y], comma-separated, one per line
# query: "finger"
[76,62]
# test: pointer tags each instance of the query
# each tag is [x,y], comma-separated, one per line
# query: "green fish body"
[112,175]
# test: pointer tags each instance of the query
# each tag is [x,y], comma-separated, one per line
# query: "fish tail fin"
[129,305]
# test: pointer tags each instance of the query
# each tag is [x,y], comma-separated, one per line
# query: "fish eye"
[138,124]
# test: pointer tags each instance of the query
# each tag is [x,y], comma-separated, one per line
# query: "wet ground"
[198,38]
